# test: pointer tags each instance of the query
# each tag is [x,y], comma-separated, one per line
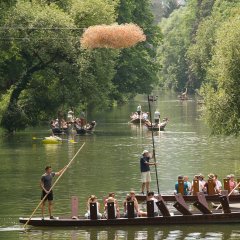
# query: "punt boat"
[183,215]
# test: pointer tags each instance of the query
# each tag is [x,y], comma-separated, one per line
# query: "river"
[108,162]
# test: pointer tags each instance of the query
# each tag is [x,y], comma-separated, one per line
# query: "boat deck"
[198,218]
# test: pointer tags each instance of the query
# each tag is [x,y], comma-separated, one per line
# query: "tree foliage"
[43,70]
[137,67]
[222,91]
[200,51]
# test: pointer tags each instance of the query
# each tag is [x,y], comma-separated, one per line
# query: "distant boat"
[87,129]
[136,119]
[155,127]
[183,95]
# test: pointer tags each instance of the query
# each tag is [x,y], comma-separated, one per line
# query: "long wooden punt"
[178,219]
[191,198]
[183,216]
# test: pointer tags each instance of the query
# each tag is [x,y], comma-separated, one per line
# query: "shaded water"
[110,162]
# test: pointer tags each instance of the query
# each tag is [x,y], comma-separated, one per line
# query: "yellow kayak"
[52,140]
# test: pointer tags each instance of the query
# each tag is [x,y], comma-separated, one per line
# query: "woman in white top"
[93,199]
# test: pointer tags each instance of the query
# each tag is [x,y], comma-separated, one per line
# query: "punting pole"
[229,195]
[65,168]
[153,144]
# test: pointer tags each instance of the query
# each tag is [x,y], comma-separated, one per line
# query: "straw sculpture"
[112,36]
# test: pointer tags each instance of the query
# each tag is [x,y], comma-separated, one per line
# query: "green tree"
[34,48]
[177,32]
[222,92]
[137,67]
[97,67]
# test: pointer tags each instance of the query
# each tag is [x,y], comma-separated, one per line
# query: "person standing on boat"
[145,170]
[70,116]
[46,184]
[139,109]
[156,117]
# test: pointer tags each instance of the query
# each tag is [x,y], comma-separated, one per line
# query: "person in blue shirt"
[145,170]
[185,186]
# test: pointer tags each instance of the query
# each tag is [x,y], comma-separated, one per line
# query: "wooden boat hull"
[83,131]
[58,131]
[190,198]
[137,121]
[176,219]
[155,129]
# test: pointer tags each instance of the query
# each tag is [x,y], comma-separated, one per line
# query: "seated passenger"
[91,126]
[211,176]
[111,200]
[218,183]
[145,115]
[129,199]
[150,196]
[232,184]
[112,194]
[188,183]
[93,199]
[202,183]
[139,212]
[56,123]
[196,177]
[185,186]
[52,124]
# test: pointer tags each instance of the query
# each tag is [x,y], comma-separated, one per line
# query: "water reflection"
[213,232]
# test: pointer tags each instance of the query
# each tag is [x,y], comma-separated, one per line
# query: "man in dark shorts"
[145,170]
[46,184]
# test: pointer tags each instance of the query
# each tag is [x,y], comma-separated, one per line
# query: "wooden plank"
[181,205]
[226,184]
[74,206]
[130,209]
[111,210]
[202,204]
[162,207]
[150,208]
[195,186]
[225,204]
[93,211]
[181,187]
[211,187]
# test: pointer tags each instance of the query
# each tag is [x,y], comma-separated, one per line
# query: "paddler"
[46,184]
[145,170]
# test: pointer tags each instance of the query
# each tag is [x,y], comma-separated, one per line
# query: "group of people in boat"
[77,122]
[139,114]
[203,184]
[131,197]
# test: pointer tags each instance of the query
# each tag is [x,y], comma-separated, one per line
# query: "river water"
[108,162]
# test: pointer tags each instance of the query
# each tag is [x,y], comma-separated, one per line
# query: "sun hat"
[144,151]
[211,175]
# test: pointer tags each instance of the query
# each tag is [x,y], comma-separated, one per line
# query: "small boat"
[155,127]
[136,118]
[87,129]
[52,140]
[183,95]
